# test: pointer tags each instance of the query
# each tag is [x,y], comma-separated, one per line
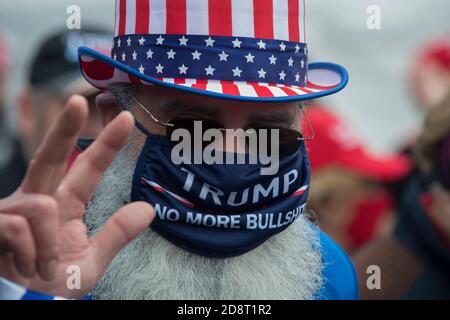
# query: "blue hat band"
[214,58]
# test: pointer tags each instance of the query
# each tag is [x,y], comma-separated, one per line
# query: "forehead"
[174,101]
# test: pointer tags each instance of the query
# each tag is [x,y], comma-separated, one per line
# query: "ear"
[107,106]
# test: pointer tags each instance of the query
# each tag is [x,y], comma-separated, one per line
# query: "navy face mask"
[219,210]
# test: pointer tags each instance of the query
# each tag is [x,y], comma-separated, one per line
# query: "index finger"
[49,162]
[82,179]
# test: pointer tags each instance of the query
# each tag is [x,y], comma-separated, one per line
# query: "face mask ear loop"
[311,129]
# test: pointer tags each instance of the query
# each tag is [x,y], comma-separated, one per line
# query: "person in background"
[429,80]
[55,76]
[12,162]
[349,186]
[415,258]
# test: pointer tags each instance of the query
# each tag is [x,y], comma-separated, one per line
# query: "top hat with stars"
[249,50]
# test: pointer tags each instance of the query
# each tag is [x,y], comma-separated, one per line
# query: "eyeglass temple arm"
[150,114]
[311,129]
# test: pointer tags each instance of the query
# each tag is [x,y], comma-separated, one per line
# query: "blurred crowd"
[53,76]
[392,211]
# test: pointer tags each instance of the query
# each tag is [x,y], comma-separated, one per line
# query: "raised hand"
[41,225]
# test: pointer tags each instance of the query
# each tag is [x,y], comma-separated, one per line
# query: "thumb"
[125,225]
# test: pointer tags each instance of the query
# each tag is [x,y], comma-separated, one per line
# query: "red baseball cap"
[435,52]
[4,54]
[335,144]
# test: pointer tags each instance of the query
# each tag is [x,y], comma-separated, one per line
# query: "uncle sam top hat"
[249,50]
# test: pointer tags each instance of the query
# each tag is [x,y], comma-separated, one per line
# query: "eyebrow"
[284,117]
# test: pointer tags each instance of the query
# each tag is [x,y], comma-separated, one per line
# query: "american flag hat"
[249,50]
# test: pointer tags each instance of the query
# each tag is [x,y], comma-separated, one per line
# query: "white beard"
[287,266]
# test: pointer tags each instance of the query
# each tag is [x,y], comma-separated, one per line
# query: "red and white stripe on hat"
[268,19]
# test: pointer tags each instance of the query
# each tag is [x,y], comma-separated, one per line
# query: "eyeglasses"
[289,140]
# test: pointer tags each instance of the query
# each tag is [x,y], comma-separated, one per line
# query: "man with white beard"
[221,231]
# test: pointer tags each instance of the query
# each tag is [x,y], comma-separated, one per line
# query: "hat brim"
[324,79]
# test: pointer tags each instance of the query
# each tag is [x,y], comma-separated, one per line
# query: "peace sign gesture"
[41,225]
